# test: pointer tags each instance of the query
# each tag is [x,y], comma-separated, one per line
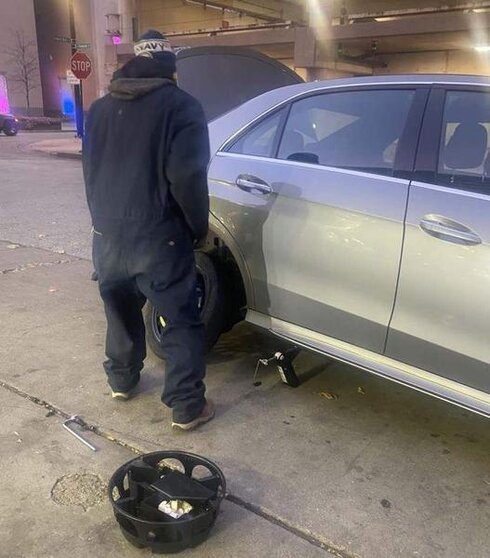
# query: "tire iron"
[77,420]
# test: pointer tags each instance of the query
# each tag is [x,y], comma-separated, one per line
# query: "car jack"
[284,362]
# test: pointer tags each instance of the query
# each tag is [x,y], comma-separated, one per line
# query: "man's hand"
[198,244]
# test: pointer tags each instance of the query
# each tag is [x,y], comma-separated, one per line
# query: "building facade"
[43,27]
[20,83]
[320,39]
[53,33]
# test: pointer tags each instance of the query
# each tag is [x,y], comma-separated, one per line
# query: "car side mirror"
[305,157]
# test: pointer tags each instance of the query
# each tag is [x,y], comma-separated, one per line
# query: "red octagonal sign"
[81,65]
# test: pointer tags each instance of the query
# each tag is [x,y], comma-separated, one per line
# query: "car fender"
[217,228]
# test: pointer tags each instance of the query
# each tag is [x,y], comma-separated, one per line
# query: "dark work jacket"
[145,154]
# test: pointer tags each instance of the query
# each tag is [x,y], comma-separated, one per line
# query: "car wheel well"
[235,293]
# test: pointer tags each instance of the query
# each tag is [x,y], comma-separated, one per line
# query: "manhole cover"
[81,489]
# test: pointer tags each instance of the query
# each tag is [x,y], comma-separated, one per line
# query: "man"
[145,157]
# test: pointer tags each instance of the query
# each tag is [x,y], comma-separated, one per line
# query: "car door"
[441,318]
[315,199]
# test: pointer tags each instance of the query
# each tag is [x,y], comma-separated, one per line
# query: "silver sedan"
[351,217]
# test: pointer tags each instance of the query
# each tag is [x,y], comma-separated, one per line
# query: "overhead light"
[386,18]
[482,48]
[204,4]
[479,10]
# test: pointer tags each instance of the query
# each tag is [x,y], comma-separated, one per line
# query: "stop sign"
[81,65]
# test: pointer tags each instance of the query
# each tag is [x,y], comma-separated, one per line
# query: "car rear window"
[261,139]
[357,130]
[464,151]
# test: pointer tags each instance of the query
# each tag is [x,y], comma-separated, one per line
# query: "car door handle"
[253,184]
[447,229]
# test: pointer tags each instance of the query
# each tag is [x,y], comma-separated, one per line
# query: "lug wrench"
[75,419]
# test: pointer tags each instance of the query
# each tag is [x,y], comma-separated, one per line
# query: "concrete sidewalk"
[377,472]
[68,147]
[54,498]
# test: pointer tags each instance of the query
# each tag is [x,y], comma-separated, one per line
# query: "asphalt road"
[42,198]
[377,471]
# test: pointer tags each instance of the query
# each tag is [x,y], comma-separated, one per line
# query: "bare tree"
[23,59]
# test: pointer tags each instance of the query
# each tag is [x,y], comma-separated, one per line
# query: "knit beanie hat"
[151,44]
[155,47]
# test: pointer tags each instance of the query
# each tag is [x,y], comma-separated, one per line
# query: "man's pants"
[158,266]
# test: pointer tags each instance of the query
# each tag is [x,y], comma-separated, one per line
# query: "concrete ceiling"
[359,41]
[268,10]
[284,51]
[414,43]
[355,9]
[342,11]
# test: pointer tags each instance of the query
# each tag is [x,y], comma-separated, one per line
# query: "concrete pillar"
[105,51]
[319,74]
[312,49]
[127,11]
[304,48]
[320,17]
[99,26]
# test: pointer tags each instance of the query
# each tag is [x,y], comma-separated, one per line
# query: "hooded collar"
[141,76]
[143,67]
[129,89]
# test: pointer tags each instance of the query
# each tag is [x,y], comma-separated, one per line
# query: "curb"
[59,154]
[62,155]
[44,131]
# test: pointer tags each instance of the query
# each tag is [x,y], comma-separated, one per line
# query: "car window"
[464,151]
[260,140]
[357,130]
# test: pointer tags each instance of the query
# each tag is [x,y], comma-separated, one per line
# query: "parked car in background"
[9,125]
[351,217]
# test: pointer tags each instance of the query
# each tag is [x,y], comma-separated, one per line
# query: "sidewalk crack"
[296,530]
[33,265]
[312,538]
[63,414]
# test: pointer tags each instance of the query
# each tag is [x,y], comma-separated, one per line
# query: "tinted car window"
[464,152]
[357,130]
[259,141]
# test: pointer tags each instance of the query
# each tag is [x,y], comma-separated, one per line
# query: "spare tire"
[211,294]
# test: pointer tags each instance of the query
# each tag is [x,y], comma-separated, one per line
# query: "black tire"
[213,315]
[10,129]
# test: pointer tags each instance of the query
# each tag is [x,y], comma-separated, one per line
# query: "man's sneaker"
[121,395]
[206,415]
